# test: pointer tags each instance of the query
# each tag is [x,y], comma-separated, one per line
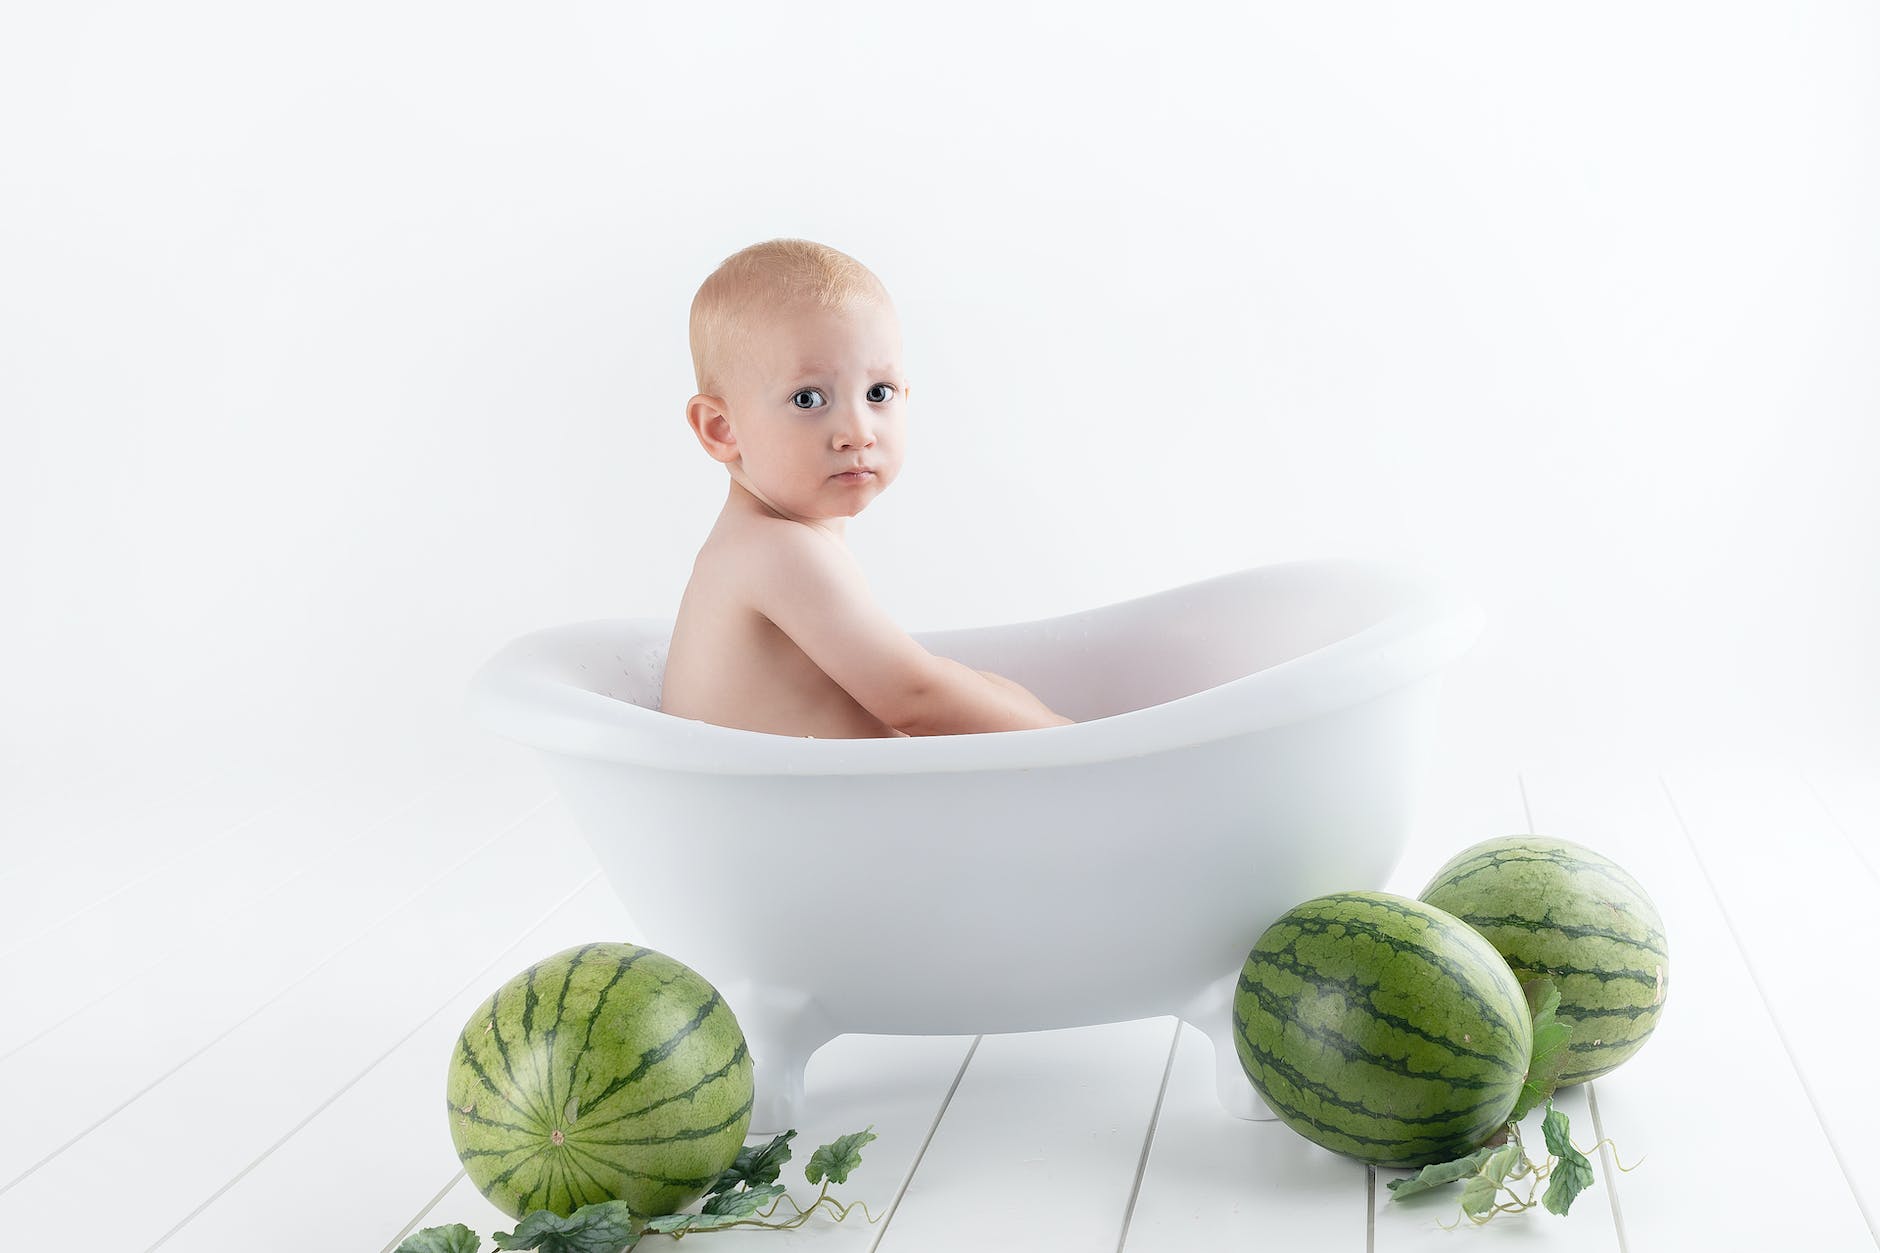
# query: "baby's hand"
[1058,719]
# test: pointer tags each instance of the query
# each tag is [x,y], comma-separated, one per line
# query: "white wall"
[344,342]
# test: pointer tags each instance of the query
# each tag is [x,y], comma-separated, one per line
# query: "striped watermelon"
[1382,1028]
[608,1071]
[1556,908]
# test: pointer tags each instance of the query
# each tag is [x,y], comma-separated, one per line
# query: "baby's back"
[731,666]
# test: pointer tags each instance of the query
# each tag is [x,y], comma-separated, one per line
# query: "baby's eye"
[877,387]
[807,391]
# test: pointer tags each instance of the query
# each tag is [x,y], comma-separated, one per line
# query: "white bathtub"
[1242,744]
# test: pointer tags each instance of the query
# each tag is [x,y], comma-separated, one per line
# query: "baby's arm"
[959,700]
[815,593]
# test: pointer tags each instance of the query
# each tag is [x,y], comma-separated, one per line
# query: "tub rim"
[1433,626]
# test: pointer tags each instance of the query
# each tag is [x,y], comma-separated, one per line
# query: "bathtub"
[1242,744]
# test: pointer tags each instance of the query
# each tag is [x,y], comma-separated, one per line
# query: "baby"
[797,352]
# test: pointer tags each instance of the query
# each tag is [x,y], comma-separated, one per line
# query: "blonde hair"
[755,283]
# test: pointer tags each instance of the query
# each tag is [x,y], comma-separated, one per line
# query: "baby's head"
[797,352]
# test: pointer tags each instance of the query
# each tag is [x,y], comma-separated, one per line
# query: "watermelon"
[1382,1028]
[604,1072]
[1555,908]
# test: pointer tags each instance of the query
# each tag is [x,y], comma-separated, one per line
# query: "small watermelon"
[1558,909]
[1382,1028]
[606,1072]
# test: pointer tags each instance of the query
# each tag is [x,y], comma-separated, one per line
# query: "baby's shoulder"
[735,557]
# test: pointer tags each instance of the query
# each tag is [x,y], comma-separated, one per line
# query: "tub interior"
[1091,664]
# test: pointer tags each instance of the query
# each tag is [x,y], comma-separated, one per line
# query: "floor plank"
[227,1040]
[1214,1182]
[1729,1152]
[1792,889]
[1041,1144]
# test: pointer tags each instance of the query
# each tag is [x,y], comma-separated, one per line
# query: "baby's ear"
[706,416]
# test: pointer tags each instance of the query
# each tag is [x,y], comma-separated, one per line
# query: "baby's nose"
[857,427]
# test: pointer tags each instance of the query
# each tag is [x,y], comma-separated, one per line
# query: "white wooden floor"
[230,994]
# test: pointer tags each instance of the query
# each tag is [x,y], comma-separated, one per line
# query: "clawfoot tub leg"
[782,1027]
[1212,1013]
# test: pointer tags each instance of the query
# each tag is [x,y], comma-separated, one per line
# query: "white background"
[341,343]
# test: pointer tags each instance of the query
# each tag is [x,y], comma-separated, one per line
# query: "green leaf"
[1548,1057]
[1573,1174]
[680,1224]
[1478,1195]
[745,1201]
[603,1227]
[720,1211]
[756,1166]
[455,1238]
[1504,1159]
[1438,1175]
[838,1159]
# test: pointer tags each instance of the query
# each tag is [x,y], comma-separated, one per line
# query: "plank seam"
[419,1217]
[907,1180]
[1148,1139]
[1610,1156]
[1370,1208]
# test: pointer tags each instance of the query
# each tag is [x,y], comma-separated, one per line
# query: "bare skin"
[783,434]
[732,666]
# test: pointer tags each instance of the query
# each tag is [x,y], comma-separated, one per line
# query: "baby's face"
[823,391]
